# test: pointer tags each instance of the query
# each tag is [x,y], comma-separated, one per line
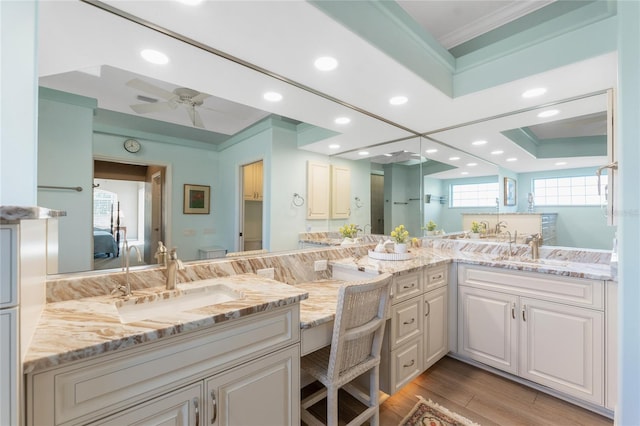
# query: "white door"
[563,347]
[265,392]
[488,328]
[178,408]
[436,339]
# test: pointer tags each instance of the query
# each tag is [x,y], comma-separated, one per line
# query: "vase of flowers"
[431,228]
[400,236]
[475,229]
[349,234]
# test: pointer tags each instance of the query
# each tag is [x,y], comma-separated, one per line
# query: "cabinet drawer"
[405,365]
[86,390]
[406,321]
[435,277]
[573,291]
[406,286]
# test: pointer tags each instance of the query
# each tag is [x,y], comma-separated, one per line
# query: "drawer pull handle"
[214,404]
[409,286]
[524,316]
[195,405]
[428,308]
[513,311]
[413,361]
[409,322]
[436,277]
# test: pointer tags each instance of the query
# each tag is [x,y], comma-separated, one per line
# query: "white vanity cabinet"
[545,328]
[244,372]
[416,335]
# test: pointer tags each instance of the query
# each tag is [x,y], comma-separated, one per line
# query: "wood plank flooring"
[479,395]
[485,398]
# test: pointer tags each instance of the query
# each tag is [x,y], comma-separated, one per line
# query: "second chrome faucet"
[173,265]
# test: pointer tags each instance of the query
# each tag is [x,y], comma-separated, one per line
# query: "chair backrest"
[359,324]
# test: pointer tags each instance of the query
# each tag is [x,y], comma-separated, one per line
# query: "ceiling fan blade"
[197,120]
[155,107]
[142,85]
[200,97]
[218,111]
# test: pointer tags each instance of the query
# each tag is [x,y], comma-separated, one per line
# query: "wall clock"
[132,145]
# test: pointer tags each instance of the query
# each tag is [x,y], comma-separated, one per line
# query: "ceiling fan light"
[154,56]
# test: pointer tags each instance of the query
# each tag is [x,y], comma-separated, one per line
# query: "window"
[474,195]
[569,191]
[103,202]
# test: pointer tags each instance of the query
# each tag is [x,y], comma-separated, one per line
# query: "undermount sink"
[190,296]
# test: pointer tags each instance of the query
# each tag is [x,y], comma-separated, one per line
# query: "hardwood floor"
[484,398]
[479,395]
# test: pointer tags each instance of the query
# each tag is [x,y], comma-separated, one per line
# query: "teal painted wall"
[65,159]
[450,219]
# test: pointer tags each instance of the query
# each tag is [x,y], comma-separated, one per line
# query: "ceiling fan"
[188,98]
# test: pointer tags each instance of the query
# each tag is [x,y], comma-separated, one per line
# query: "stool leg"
[332,406]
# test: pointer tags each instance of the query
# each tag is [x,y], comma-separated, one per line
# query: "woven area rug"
[428,413]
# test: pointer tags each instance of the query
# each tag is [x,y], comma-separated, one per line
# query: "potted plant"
[349,234]
[476,227]
[400,236]
[431,227]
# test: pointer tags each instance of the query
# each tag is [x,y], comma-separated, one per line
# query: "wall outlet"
[267,272]
[320,265]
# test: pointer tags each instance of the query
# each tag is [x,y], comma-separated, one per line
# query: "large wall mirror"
[202,119]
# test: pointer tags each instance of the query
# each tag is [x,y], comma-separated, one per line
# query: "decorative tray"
[390,256]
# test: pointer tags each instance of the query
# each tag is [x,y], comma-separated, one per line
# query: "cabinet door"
[8,266]
[436,330]
[488,328]
[265,392]
[340,192]
[405,364]
[258,170]
[562,347]
[248,189]
[179,408]
[9,367]
[317,190]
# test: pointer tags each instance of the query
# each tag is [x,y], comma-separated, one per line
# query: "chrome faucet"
[534,241]
[126,289]
[173,265]
[510,241]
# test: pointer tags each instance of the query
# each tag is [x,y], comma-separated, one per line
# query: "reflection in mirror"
[553,154]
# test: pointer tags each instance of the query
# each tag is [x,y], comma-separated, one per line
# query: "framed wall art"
[196,199]
[509,192]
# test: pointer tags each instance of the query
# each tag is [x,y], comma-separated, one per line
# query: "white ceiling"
[285,38]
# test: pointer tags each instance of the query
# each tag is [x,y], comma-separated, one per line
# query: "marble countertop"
[16,213]
[78,329]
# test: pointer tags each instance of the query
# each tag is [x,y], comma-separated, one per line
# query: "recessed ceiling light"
[272,96]
[363,153]
[532,93]
[388,155]
[326,63]
[497,152]
[343,120]
[334,146]
[510,159]
[478,143]
[398,100]
[431,150]
[464,173]
[415,155]
[190,2]
[454,158]
[472,164]
[561,163]
[154,56]
[548,113]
